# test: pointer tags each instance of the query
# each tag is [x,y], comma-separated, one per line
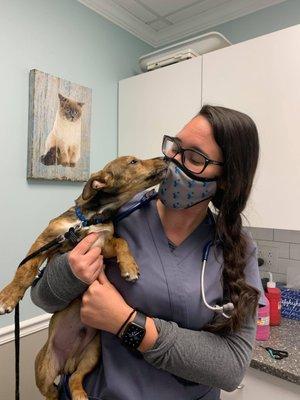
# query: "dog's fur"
[76,349]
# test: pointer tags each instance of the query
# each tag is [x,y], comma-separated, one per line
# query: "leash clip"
[61,238]
[70,234]
[78,226]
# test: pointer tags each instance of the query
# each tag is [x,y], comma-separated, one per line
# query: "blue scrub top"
[168,288]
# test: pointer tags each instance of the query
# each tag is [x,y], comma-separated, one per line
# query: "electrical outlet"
[270,256]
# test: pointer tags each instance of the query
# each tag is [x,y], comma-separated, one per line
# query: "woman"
[188,352]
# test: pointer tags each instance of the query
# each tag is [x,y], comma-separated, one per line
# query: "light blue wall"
[66,39]
[258,23]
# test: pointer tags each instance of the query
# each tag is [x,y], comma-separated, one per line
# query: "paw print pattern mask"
[178,190]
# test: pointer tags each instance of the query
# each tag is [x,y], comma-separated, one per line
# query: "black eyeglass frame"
[182,150]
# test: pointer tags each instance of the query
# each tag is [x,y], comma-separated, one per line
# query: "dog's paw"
[131,276]
[79,395]
[7,301]
[129,270]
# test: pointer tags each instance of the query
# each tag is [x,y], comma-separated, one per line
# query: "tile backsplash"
[286,251]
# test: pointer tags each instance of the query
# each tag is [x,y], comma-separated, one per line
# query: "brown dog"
[104,193]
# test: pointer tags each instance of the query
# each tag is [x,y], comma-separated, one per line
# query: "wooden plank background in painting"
[43,105]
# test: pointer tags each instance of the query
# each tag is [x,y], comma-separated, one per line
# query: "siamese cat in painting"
[64,141]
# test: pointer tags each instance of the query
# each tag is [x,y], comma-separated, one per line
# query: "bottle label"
[262,321]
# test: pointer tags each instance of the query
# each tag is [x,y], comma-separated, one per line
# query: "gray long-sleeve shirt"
[183,353]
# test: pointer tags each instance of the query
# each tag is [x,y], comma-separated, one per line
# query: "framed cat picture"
[59,129]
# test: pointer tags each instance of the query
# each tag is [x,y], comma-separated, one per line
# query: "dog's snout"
[160,159]
[160,162]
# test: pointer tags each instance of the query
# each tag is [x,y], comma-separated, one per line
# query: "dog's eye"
[133,161]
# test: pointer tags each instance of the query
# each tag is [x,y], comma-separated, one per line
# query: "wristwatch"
[134,331]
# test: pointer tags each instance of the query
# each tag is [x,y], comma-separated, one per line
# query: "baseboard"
[27,327]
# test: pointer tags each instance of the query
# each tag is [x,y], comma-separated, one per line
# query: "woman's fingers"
[103,278]
[86,261]
[92,255]
[96,269]
[85,244]
[95,276]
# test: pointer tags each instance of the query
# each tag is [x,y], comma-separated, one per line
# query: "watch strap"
[140,319]
[125,322]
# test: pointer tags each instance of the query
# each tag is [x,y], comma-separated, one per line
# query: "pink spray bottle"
[263,321]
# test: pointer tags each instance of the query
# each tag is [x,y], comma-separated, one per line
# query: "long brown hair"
[237,136]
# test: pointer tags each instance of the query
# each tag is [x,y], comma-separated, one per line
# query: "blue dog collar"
[147,197]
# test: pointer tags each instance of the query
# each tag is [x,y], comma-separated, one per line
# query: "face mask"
[178,190]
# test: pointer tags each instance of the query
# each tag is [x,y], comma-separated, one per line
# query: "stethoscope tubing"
[216,308]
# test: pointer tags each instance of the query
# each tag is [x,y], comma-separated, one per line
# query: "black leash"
[56,243]
[17,351]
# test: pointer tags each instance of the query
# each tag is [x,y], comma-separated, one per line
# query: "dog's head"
[121,179]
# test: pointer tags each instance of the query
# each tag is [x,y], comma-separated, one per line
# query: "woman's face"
[198,135]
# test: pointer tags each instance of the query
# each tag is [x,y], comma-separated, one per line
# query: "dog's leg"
[69,342]
[24,277]
[119,247]
[87,363]
[46,370]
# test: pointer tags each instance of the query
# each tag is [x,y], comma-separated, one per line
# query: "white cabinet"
[260,77]
[157,103]
[259,385]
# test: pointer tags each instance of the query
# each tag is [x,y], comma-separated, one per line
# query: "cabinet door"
[157,103]
[259,385]
[261,77]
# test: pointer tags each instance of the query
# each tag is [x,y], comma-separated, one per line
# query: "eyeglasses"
[193,160]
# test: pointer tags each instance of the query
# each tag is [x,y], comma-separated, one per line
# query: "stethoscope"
[228,307]
[147,197]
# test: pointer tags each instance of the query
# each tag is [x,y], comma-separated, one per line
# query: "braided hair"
[237,136]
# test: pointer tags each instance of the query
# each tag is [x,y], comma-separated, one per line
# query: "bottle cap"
[271,284]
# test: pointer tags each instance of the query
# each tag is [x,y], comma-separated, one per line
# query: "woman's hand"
[103,307]
[86,261]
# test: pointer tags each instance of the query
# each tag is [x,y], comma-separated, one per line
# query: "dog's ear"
[97,181]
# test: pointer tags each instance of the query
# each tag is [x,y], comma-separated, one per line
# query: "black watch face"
[133,336]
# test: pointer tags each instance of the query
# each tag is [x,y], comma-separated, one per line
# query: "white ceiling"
[160,22]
